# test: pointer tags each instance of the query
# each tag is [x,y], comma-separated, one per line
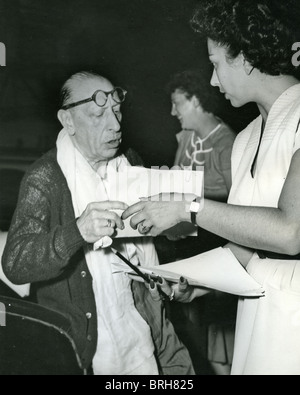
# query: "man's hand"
[98,221]
[158,213]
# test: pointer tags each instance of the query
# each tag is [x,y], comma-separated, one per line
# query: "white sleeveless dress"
[267,338]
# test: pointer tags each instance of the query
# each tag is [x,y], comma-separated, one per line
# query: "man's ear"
[66,120]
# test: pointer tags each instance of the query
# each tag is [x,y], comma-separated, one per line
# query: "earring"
[250,72]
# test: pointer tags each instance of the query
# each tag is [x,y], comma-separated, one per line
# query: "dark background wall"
[136,43]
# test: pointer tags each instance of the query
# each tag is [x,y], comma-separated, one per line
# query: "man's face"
[184,109]
[97,132]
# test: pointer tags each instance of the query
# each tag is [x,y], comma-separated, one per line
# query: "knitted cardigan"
[45,248]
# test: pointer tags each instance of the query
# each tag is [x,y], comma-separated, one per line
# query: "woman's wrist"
[191,210]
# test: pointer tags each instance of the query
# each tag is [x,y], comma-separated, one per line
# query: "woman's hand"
[98,221]
[181,292]
[175,238]
[158,213]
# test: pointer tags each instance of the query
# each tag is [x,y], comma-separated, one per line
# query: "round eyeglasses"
[100,98]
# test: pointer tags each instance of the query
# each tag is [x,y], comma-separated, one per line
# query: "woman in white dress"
[250,46]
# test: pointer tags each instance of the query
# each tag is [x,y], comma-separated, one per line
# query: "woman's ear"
[247,66]
[66,120]
[197,105]
[195,101]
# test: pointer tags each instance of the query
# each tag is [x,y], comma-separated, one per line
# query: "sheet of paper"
[136,182]
[22,290]
[216,269]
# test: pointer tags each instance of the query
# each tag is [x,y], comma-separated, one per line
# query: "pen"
[137,270]
[133,267]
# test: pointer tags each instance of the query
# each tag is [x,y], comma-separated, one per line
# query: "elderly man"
[63,210]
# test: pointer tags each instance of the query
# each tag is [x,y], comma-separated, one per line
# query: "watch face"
[195,207]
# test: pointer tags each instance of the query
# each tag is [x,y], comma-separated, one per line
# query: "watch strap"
[194,213]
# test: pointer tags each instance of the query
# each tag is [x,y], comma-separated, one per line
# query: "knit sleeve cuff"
[70,240]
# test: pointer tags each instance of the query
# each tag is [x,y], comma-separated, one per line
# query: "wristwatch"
[194,209]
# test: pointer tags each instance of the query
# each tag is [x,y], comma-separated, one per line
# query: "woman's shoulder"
[224,137]
[227,132]
[133,157]
[243,137]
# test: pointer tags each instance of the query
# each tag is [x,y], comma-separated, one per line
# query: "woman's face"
[229,75]
[185,110]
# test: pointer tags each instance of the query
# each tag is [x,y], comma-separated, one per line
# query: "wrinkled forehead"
[83,89]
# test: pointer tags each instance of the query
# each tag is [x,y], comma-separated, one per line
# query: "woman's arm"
[272,229]
[242,254]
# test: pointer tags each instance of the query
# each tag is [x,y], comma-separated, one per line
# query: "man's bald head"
[70,88]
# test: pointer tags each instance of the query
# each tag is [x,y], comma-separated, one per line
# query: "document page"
[216,269]
[134,183]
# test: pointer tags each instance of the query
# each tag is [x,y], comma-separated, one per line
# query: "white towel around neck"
[124,339]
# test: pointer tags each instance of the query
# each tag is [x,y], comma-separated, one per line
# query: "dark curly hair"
[195,83]
[263,30]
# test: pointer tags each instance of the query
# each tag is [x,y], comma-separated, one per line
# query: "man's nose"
[114,122]
[214,79]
